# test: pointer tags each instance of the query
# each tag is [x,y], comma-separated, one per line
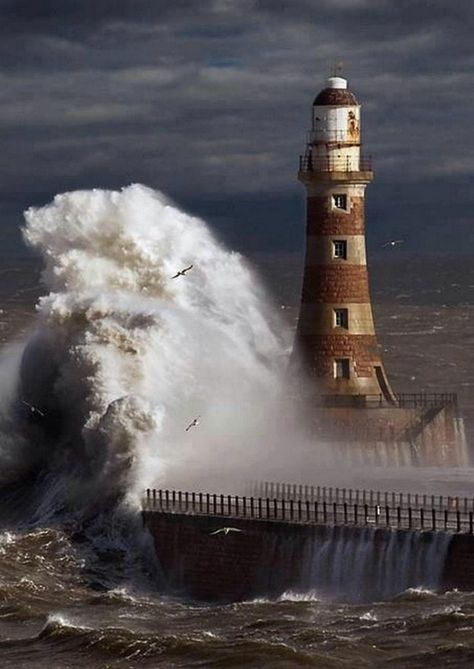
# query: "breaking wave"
[125,356]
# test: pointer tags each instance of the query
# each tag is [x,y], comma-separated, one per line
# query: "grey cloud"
[212,99]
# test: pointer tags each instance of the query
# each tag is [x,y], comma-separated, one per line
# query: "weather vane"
[337,68]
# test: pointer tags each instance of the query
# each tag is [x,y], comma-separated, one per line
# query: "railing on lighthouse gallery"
[311,163]
[305,511]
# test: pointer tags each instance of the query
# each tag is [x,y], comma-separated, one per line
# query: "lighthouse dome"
[336,93]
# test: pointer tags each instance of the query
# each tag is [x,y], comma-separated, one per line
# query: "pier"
[355,545]
[324,505]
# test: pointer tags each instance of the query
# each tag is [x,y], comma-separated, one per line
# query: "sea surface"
[74,597]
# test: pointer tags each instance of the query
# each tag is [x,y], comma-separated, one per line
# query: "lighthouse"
[335,337]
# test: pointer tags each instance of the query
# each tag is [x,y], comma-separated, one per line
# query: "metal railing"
[402,400]
[305,511]
[329,494]
[309,163]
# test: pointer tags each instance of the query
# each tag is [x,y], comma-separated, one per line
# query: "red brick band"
[335,283]
[322,219]
[320,351]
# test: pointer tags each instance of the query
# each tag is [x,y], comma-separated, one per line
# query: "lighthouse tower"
[335,336]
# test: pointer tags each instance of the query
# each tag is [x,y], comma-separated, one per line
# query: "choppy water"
[83,589]
[54,614]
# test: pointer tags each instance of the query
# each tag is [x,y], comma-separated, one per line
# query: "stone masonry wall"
[264,559]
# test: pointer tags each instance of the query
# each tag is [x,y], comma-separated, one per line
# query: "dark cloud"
[210,102]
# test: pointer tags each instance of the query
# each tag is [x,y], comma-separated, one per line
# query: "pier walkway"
[323,506]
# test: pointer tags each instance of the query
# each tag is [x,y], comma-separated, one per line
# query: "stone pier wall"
[267,558]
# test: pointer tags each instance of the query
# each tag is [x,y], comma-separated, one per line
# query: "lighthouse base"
[427,434]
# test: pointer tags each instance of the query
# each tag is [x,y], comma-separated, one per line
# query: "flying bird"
[226,530]
[193,423]
[182,272]
[393,242]
[33,409]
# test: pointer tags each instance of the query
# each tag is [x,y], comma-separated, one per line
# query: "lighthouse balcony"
[310,164]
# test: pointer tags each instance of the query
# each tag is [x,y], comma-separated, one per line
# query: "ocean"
[79,584]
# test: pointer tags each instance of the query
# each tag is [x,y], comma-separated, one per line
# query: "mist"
[134,377]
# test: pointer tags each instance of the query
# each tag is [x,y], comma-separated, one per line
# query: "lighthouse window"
[341,318]
[340,200]
[340,248]
[341,368]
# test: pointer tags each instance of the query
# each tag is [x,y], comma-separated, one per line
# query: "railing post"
[316,511]
[186,501]
[470,522]
[180,499]
[167,498]
[259,507]
[252,507]
[300,515]
[366,514]
[173,497]
[291,509]
[193,501]
[283,509]
[356,513]
[307,511]
[345,513]
[325,513]
[399,515]
[446,519]
[148,494]
[275,508]
[422,518]
[387,515]
[458,520]
[214,504]
[236,500]
[229,505]
[377,511]
[222,504]
[154,498]
[244,506]
[409,517]
[267,506]
[334,513]
[433,519]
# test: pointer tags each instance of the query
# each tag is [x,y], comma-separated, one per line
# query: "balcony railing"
[309,163]
[401,400]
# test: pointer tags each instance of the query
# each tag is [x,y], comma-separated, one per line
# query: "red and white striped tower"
[335,335]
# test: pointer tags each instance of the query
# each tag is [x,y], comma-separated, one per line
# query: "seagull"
[193,423]
[182,272]
[393,242]
[33,409]
[226,530]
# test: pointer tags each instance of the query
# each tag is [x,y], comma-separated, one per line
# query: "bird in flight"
[226,530]
[32,409]
[393,242]
[193,423]
[182,272]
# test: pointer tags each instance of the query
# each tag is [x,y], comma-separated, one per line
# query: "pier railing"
[329,494]
[305,511]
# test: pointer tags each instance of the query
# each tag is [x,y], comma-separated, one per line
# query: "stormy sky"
[210,102]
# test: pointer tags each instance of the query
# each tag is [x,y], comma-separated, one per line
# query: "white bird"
[32,408]
[226,530]
[193,423]
[182,272]
[393,242]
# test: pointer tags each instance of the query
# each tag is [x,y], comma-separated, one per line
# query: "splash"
[125,356]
